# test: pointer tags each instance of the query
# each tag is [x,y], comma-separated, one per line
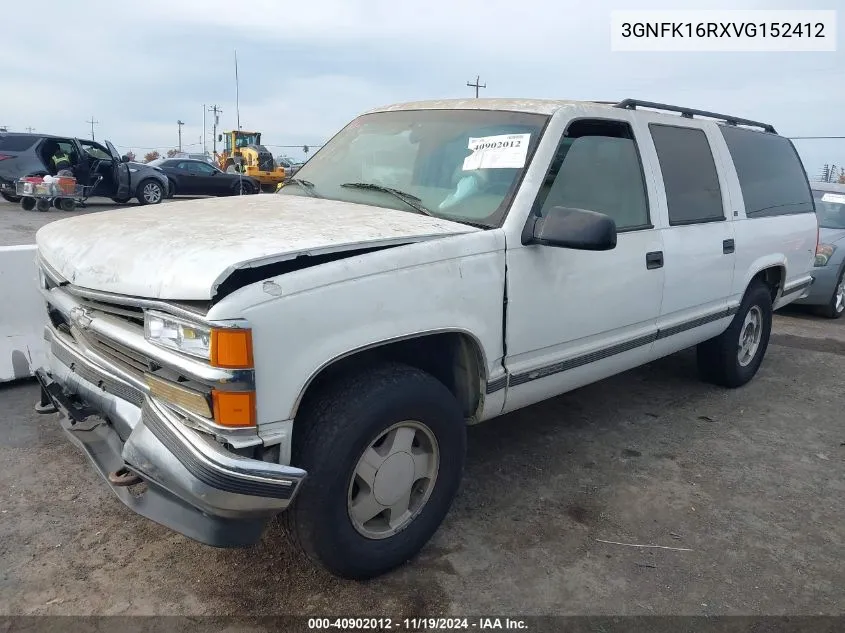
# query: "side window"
[205,170]
[185,166]
[693,194]
[597,167]
[771,176]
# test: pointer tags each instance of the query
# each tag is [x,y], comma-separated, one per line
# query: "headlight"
[181,336]
[823,254]
[228,348]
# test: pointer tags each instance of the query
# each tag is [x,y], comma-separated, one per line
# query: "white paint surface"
[21,313]
[185,249]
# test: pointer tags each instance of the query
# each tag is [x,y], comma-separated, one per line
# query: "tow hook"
[123,477]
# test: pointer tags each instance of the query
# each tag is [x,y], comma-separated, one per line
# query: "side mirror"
[124,158]
[579,229]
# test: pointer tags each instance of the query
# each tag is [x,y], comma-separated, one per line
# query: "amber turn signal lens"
[234,408]
[231,349]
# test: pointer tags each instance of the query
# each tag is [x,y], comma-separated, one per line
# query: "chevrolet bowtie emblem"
[79,317]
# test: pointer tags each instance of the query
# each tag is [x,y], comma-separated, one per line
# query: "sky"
[307,68]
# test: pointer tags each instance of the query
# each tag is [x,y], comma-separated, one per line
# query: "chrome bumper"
[193,484]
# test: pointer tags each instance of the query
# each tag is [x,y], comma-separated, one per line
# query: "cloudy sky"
[306,68]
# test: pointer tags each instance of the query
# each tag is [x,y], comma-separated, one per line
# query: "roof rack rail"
[631,104]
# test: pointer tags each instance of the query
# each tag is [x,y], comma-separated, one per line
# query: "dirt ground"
[751,481]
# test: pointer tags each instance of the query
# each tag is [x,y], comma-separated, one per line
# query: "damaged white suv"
[321,351]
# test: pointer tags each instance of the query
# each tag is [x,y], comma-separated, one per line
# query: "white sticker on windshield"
[829,197]
[505,151]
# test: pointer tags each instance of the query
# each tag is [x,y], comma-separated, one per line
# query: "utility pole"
[30,129]
[180,123]
[4,128]
[477,85]
[214,123]
[237,92]
[93,123]
[204,148]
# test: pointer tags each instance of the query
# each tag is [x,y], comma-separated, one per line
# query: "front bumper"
[825,279]
[193,484]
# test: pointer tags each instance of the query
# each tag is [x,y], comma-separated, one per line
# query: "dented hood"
[185,250]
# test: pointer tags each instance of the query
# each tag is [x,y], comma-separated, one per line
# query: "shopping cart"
[61,193]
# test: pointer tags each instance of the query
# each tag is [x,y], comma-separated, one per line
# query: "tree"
[842,179]
[172,152]
[151,156]
[130,155]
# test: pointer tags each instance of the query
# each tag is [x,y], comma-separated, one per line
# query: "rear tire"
[67,204]
[150,191]
[42,205]
[411,426]
[733,358]
[835,308]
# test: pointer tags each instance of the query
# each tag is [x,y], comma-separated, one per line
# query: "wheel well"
[773,277]
[454,358]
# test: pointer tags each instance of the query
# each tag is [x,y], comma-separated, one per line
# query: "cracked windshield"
[462,165]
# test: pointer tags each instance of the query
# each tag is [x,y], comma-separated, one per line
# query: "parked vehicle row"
[434,265]
[92,163]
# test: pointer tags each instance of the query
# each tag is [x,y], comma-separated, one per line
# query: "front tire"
[384,451]
[733,358]
[244,188]
[150,191]
[835,308]
[27,204]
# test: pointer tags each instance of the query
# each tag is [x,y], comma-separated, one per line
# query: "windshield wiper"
[408,198]
[306,185]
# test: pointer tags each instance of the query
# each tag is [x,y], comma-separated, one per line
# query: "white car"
[436,264]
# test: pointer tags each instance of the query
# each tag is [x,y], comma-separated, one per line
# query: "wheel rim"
[393,480]
[750,335]
[152,193]
[839,296]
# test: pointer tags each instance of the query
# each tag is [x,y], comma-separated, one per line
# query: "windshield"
[243,139]
[462,165]
[830,209]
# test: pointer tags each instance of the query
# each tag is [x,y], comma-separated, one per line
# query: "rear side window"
[16,142]
[770,173]
[693,194]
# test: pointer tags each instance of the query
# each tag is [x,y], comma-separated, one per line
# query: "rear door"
[122,177]
[698,243]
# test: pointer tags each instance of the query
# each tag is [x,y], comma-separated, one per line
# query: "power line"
[93,123]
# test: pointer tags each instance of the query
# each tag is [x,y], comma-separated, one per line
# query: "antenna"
[237,92]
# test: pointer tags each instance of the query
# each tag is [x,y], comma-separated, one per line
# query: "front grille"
[104,382]
[115,351]
[265,162]
[130,313]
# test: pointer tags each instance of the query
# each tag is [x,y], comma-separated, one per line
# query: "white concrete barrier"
[22,314]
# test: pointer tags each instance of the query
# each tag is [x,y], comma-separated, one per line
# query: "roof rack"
[631,104]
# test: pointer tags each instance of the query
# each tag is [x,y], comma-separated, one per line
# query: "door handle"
[727,246]
[654,260]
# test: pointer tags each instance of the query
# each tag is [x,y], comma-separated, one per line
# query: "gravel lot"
[751,481]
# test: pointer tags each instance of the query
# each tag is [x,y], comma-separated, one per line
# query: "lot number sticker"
[828,197]
[505,151]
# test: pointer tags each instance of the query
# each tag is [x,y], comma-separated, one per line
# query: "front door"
[573,316]
[120,171]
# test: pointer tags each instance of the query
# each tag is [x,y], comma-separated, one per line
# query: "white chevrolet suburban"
[318,353]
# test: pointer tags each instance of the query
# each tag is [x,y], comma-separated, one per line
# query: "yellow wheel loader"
[243,153]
